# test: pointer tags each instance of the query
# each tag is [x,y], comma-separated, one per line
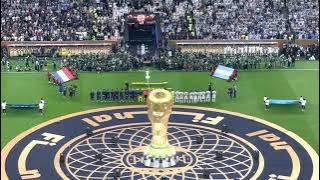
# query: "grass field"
[252,86]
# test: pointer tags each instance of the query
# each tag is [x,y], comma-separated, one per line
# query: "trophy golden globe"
[159,153]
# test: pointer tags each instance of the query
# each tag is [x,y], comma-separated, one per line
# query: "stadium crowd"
[169,59]
[63,20]
[120,61]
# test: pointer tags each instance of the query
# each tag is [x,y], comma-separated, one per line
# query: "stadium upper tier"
[46,20]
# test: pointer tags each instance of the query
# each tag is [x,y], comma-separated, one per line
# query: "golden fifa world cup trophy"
[159,153]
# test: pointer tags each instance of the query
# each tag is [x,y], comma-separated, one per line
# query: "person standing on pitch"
[208,96]
[214,95]
[109,95]
[267,103]
[191,94]
[126,84]
[60,88]
[92,95]
[230,92]
[98,96]
[104,95]
[202,96]
[196,96]
[41,106]
[235,91]
[41,100]
[210,87]
[71,91]
[49,77]
[264,99]
[301,99]
[185,97]
[3,107]
[74,88]
[303,104]
[64,90]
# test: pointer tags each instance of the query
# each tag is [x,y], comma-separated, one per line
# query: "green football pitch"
[252,86]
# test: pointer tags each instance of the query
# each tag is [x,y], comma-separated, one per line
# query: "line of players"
[195,96]
[138,95]
[115,95]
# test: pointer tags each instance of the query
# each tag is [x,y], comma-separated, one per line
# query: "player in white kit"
[180,97]
[185,97]
[191,97]
[208,96]
[214,95]
[196,97]
[202,96]
[177,96]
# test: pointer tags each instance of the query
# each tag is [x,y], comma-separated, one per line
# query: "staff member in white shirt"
[41,106]
[303,104]
[301,99]
[3,107]
[265,98]
[267,103]
[41,100]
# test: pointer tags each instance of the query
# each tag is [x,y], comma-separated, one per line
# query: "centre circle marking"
[197,155]
[253,149]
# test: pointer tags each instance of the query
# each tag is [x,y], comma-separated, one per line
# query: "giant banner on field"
[63,75]
[224,72]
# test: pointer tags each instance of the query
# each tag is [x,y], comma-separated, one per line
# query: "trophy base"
[154,162]
[160,157]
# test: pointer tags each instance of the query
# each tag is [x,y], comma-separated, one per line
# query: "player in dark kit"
[111,95]
[126,86]
[65,89]
[71,91]
[131,96]
[92,95]
[116,95]
[98,95]
[126,95]
[104,95]
[235,91]
[108,95]
[230,92]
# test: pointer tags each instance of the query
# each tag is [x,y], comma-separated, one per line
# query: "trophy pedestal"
[163,162]
[160,157]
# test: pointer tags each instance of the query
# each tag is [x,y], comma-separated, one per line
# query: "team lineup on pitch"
[251,148]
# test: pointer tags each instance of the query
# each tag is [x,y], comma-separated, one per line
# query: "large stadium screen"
[141,27]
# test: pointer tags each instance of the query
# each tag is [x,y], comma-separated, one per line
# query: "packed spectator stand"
[64,20]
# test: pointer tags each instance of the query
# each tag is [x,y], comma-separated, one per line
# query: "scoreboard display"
[141,19]
[141,27]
